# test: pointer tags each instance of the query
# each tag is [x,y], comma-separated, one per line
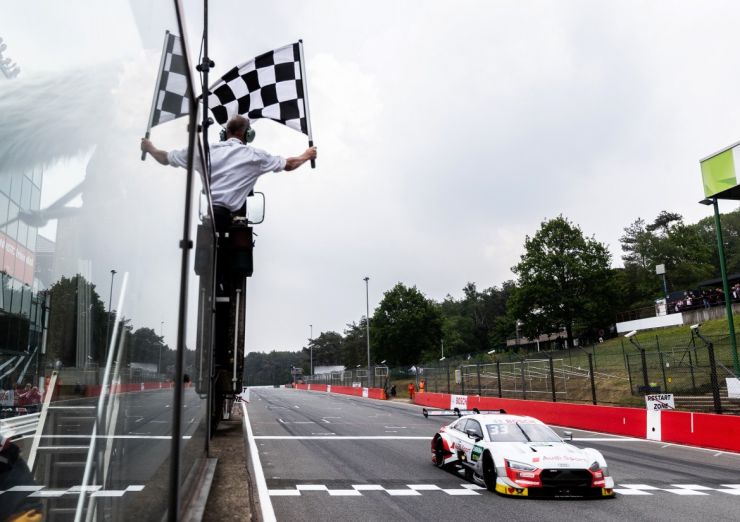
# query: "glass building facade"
[107,270]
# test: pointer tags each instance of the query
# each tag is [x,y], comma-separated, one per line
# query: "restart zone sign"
[662,401]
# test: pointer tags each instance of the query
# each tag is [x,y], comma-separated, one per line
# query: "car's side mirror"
[473,435]
[256,208]
[568,434]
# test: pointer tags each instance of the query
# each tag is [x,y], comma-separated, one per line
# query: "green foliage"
[404,325]
[354,345]
[564,278]
[686,251]
[271,368]
[69,297]
[327,349]
[145,346]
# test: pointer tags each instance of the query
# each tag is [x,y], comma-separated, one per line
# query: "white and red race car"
[518,456]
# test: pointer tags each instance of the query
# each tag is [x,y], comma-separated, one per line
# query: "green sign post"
[719,175]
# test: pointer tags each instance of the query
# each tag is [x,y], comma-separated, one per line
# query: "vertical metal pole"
[662,368]
[524,381]
[367,319]
[477,370]
[593,351]
[310,347]
[161,342]
[726,289]
[498,378]
[624,354]
[448,378]
[173,494]
[306,109]
[110,300]
[552,380]
[236,340]
[629,374]
[593,381]
[691,369]
[643,360]
[713,379]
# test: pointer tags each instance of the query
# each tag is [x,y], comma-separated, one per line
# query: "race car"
[518,456]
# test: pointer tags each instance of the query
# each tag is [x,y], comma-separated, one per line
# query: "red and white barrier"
[706,430]
[368,393]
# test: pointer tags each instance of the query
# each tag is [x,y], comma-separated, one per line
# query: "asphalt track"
[334,457]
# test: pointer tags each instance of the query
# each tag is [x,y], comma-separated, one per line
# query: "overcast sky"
[447,131]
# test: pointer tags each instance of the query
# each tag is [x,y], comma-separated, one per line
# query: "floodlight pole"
[110,301]
[725,283]
[367,324]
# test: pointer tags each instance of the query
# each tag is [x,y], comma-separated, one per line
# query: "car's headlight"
[519,466]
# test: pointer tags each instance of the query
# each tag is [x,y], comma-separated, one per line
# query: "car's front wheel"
[489,472]
[439,454]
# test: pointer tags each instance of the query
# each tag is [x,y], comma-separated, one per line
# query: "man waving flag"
[273,86]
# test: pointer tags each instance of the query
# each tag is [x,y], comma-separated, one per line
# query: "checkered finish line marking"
[95,491]
[677,489]
[411,490]
[415,490]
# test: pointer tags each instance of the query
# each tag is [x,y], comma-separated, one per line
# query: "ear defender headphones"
[248,137]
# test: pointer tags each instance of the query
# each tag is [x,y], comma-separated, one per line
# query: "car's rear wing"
[457,412]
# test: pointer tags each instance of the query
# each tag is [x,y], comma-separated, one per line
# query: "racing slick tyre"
[489,472]
[439,454]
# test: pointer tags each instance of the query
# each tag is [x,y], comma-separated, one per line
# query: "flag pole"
[305,100]
[156,91]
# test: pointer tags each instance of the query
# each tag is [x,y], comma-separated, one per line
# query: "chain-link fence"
[541,378]
[620,373]
[695,374]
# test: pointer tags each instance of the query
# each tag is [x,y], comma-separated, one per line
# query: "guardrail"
[20,426]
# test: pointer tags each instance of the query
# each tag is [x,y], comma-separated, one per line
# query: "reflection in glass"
[76,202]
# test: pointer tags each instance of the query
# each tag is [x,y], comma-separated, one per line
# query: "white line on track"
[268,513]
[606,439]
[337,437]
[116,437]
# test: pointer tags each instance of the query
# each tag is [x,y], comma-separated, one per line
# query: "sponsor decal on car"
[476,453]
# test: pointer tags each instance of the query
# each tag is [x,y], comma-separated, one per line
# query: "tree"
[69,298]
[564,278]
[145,346]
[405,325]
[271,368]
[685,250]
[354,344]
[327,349]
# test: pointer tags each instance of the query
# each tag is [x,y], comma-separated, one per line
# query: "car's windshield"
[521,432]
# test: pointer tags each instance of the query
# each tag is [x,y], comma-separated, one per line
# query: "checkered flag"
[273,86]
[171,96]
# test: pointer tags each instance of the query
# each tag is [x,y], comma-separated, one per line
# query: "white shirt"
[235,168]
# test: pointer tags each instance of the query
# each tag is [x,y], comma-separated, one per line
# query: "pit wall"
[705,430]
[370,393]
